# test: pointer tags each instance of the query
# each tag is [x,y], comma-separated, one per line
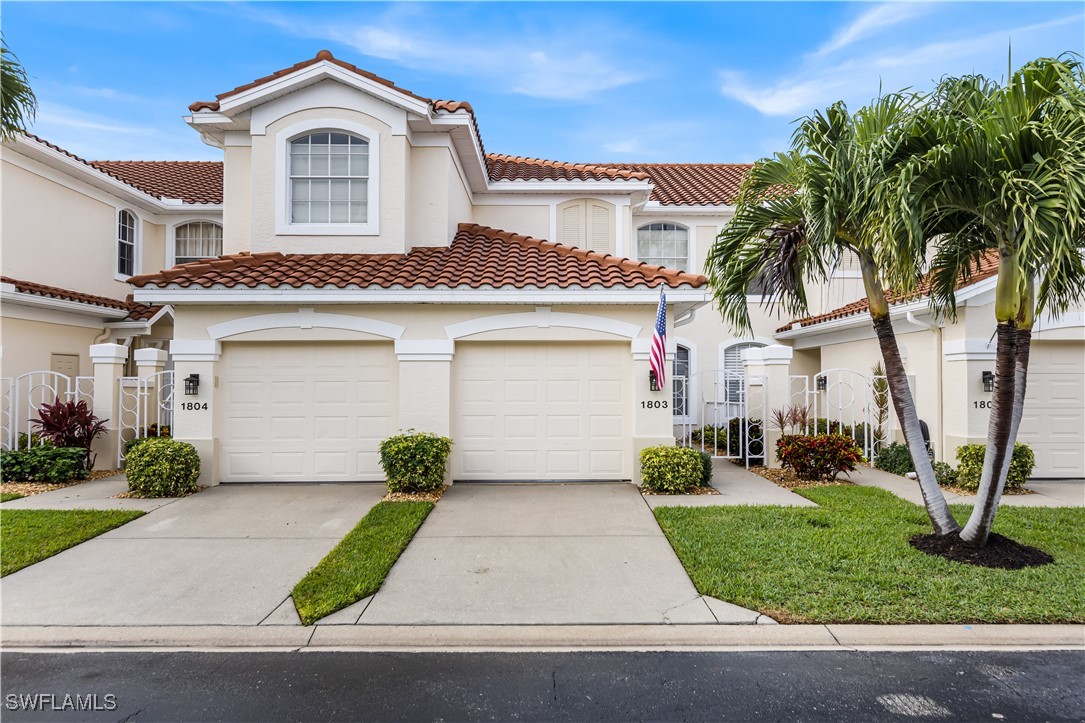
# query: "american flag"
[658,356]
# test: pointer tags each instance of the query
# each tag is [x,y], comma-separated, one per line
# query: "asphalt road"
[737,686]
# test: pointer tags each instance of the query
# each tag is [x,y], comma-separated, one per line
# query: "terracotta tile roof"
[520,168]
[320,57]
[478,256]
[190,181]
[984,269]
[692,184]
[136,311]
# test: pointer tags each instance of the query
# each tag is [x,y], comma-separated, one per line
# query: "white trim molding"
[410,350]
[108,354]
[283,225]
[969,350]
[542,318]
[203,350]
[305,318]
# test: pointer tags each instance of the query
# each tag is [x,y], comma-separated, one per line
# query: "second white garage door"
[541,411]
[1054,419]
[294,412]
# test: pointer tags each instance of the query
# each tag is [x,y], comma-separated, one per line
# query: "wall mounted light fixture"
[653,381]
[988,381]
[821,383]
[192,385]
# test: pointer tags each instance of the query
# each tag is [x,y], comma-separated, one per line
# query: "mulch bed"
[130,495]
[972,493]
[27,489]
[690,491]
[787,479]
[434,496]
[999,552]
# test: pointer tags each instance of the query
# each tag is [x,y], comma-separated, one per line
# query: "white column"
[108,362]
[425,385]
[653,418]
[194,415]
[967,410]
[768,369]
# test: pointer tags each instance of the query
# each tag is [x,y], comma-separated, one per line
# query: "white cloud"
[871,23]
[101,137]
[533,64]
[858,79]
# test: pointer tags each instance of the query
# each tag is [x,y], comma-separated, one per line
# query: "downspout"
[938,378]
[685,318]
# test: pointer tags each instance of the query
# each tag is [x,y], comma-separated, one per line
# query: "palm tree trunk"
[933,499]
[998,454]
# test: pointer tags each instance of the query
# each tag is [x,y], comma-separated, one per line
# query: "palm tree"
[18,106]
[1007,177]
[799,212]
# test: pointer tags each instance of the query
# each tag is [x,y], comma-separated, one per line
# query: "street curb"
[547,637]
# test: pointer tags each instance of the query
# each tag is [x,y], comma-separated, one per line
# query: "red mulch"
[1000,552]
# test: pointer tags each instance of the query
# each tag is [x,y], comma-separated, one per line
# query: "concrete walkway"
[1048,493]
[229,555]
[96,495]
[541,554]
[737,486]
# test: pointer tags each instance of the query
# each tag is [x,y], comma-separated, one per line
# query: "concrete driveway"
[229,555]
[538,554]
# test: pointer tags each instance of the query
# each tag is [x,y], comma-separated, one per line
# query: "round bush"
[162,467]
[894,458]
[970,469]
[415,461]
[671,470]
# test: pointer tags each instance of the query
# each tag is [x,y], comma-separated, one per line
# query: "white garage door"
[294,412]
[1054,419]
[541,412]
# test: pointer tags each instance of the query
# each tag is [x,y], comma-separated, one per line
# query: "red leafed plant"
[70,424]
[818,456]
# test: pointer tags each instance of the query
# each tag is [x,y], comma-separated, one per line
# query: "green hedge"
[671,470]
[895,458]
[819,456]
[163,467]
[415,461]
[728,440]
[970,467]
[43,463]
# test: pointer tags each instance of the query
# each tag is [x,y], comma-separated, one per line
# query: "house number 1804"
[653,404]
[193,406]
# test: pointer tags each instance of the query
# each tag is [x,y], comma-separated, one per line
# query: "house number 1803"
[653,404]
[193,406]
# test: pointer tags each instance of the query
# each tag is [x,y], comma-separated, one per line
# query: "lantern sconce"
[653,380]
[988,381]
[192,385]
[821,384]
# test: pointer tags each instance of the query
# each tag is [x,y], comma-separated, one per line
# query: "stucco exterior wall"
[237,195]
[27,345]
[529,220]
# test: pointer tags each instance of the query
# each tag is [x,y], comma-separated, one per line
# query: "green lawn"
[29,536]
[9,496]
[359,563]
[849,561]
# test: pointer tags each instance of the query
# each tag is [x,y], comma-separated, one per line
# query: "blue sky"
[614,81]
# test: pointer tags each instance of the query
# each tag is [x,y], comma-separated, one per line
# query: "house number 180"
[193,406]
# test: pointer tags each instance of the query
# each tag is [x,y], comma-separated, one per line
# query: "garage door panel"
[1053,423]
[306,412]
[552,411]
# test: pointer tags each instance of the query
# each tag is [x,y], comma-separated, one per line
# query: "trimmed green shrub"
[163,467]
[415,461]
[895,458]
[706,469]
[945,474]
[970,467]
[671,470]
[819,456]
[43,463]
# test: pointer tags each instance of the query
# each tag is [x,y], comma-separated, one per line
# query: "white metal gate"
[848,402]
[144,408]
[22,397]
[730,409]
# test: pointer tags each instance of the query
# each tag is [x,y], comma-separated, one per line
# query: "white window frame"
[137,255]
[171,241]
[283,225]
[689,242]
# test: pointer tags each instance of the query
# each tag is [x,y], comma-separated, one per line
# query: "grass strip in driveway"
[358,565]
[29,536]
[849,561]
[9,496]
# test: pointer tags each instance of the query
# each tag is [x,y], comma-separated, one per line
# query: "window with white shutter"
[586,224]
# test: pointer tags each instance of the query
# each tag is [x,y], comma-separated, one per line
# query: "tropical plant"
[70,424]
[796,217]
[1004,176]
[818,456]
[879,400]
[18,105]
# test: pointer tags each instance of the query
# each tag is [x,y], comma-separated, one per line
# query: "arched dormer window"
[329,179]
[196,240]
[127,243]
[664,244]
